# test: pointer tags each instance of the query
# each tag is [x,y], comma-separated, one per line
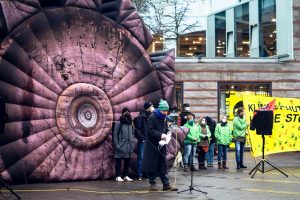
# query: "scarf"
[159,115]
[191,122]
[223,123]
[203,129]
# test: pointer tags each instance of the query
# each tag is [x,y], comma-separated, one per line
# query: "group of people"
[203,136]
[150,128]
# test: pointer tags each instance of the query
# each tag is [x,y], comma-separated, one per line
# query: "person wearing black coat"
[123,140]
[210,153]
[141,127]
[183,116]
[154,161]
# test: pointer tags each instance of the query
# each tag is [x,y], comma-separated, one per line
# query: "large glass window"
[231,95]
[220,34]
[267,28]
[241,19]
[192,44]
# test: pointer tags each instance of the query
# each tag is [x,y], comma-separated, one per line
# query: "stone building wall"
[200,81]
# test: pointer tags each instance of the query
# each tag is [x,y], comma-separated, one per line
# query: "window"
[192,44]
[230,95]
[241,19]
[267,20]
[157,44]
[179,95]
[220,37]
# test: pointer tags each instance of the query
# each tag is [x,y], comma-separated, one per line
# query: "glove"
[163,136]
[205,138]
[161,143]
[165,139]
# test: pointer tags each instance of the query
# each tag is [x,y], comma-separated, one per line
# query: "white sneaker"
[119,179]
[126,178]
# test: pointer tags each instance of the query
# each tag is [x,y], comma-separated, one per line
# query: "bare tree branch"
[164,17]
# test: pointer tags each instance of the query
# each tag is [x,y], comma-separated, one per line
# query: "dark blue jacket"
[141,125]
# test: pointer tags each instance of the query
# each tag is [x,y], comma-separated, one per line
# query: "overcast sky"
[200,9]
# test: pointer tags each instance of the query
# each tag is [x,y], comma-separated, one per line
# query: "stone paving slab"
[219,184]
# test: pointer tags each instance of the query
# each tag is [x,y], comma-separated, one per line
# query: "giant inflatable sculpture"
[67,68]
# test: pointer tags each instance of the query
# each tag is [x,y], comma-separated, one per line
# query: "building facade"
[252,47]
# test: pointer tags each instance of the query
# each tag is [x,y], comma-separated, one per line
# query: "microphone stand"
[191,187]
[8,188]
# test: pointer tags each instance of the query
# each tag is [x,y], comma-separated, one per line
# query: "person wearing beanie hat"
[148,105]
[154,161]
[141,127]
[163,105]
[124,110]
[123,140]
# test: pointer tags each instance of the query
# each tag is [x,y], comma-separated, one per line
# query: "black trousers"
[126,166]
[201,155]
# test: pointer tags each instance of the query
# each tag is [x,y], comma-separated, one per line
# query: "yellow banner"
[234,100]
[286,127]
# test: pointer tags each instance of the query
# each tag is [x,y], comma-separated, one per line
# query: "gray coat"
[123,140]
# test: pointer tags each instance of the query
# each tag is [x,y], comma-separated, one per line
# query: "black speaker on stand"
[263,123]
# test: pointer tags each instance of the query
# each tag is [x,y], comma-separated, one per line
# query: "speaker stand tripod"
[8,188]
[263,161]
[191,187]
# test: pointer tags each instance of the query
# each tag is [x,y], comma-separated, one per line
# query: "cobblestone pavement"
[219,184]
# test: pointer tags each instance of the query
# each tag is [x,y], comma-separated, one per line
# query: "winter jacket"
[223,134]
[183,118]
[193,134]
[203,142]
[123,140]
[212,126]
[141,125]
[239,127]
[154,159]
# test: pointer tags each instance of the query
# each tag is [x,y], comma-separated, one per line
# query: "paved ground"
[219,184]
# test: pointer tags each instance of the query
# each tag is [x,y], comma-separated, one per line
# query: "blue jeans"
[163,177]
[222,152]
[210,153]
[140,155]
[239,152]
[187,155]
